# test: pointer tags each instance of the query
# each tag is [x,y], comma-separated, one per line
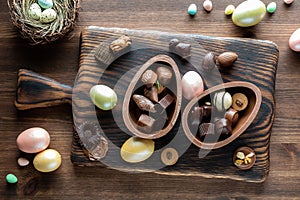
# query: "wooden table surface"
[60,61]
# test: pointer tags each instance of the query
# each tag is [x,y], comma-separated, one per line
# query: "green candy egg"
[271,8]
[103,97]
[11,178]
[249,13]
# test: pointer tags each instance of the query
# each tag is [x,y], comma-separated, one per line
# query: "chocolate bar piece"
[145,123]
[166,101]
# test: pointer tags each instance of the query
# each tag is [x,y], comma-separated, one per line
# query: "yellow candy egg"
[136,150]
[47,161]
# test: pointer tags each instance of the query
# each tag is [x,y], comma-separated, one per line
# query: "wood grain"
[59,61]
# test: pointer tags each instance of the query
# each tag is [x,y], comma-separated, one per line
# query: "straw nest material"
[37,32]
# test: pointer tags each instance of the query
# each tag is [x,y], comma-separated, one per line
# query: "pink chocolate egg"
[33,140]
[294,41]
[192,85]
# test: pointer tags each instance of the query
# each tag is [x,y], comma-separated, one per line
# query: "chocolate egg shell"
[249,114]
[166,110]
[33,140]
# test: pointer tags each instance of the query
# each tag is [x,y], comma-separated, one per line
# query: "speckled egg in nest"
[55,22]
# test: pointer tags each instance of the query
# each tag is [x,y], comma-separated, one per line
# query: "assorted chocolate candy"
[244,158]
[153,99]
[227,109]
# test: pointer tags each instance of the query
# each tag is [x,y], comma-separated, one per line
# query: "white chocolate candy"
[222,101]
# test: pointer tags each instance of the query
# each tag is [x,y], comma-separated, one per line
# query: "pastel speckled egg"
[47,161]
[33,140]
[45,3]
[35,11]
[249,13]
[294,41]
[103,97]
[192,85]
[48,15]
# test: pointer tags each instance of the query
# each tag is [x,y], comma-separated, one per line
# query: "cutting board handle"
[36,91]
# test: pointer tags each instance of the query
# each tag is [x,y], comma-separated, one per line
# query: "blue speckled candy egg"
[45,3]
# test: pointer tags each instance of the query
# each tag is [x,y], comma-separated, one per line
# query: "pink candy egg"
[33,140]
[294,41]
[192,85]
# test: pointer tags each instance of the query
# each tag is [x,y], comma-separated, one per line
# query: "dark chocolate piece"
[196,116]
[223,127]
[207,110]
[206,129]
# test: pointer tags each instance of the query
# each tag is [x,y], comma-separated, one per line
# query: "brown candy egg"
[33,140]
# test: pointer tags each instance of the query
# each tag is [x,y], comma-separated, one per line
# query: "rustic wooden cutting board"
[257,64]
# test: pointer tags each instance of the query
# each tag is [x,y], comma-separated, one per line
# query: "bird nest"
[37,32]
